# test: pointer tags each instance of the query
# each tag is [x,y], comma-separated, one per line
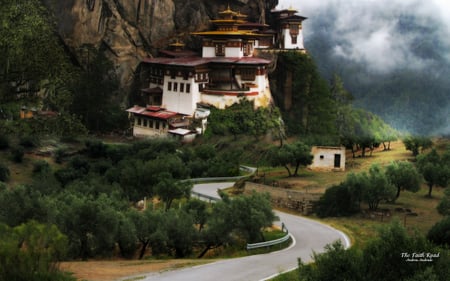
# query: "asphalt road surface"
[308,236]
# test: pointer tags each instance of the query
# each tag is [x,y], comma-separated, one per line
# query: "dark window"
[175,86]
[169,86]
[139,122]
[321,156]
[157,125]
[145,122]
[220,49]
[294,39]
[248,74]
[182,87]
[188,88]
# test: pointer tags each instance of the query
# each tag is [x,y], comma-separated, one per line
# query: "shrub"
[4,142]
[337,201]
[96,148]
[440,232]
[4,172]
[60,154]
[41,167]
[17,154]
[29,141]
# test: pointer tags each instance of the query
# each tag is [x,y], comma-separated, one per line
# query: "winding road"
[308,236]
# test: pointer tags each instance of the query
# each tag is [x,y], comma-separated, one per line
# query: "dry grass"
[318,182]
[115,270]
[362,228]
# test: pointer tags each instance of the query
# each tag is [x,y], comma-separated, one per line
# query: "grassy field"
[361,228]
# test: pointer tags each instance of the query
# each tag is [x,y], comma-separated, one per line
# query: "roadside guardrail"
[271,242]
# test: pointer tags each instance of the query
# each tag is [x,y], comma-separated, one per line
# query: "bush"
[4,172]
[29,141]
[41,167]
[96,148]
[440,232]
[60,154]
[17,154]
[4,142]
[336,202]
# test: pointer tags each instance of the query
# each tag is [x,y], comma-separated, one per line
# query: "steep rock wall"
[129,30]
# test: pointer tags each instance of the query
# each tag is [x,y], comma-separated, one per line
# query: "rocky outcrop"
[129,30]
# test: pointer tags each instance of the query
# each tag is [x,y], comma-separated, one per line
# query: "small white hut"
[328,158]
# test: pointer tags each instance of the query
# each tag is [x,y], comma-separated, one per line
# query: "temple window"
[169,86]
[220,49]
[294,39]
[188,88]
[182,87]
[175,86]
[139,121]
[145,123]
[248,74]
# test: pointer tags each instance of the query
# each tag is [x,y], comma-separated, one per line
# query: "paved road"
[308,236]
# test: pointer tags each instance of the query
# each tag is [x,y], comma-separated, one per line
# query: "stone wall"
[285,198]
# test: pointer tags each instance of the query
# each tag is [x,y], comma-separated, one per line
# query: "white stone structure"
[328,158]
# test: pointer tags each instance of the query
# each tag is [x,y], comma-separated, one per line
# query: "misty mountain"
[394,62]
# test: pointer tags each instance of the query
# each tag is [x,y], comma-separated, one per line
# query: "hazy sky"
[368,29]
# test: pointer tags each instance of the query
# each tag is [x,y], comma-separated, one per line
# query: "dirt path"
[115,270]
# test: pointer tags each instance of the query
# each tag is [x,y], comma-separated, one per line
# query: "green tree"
[291,155]
[90,223]
[377,188]
[434,170]
[404,176]
[444,206]
[385,257]
[33,57]
[181,233]
[96,94]
[337,264]
[31,251]
[251,214]
[126,236]
[21,204]
[4,172]
[337,201]
[199,211]
[150,230]
[304,97]
[416,144]
[169,189]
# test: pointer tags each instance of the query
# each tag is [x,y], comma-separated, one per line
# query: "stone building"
[328,158]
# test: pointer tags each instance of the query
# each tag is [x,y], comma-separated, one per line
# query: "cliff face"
[129,30]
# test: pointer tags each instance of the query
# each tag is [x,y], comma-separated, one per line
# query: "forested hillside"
[398,69]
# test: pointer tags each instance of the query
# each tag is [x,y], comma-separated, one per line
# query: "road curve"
[308,236]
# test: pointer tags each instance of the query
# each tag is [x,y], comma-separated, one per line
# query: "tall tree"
[96,94]
[304,97]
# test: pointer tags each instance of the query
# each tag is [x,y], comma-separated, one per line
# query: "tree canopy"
[291,156]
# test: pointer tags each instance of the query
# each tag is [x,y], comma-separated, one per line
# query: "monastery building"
[182,85]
